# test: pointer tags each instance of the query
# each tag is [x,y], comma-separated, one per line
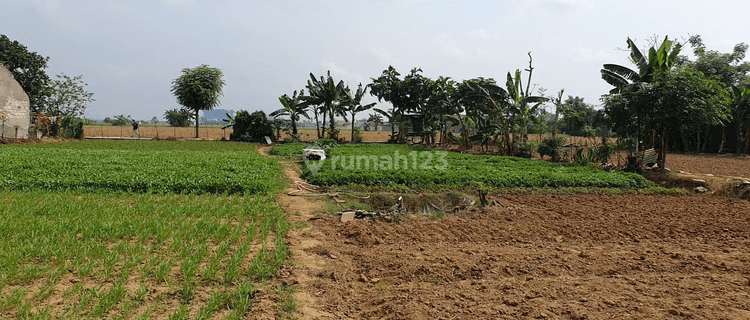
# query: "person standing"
[135,129]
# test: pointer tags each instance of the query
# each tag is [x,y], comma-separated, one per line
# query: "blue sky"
[129,51]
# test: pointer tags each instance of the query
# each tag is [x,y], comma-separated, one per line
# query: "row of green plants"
[158,252]
[410,166]
[34,167]
[137,229]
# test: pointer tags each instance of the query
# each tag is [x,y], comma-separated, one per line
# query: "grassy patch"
[138,167]
[121,252]
[401,165]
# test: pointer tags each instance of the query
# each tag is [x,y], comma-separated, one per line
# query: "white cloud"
[188,3]
[117,71]
[572,4]
[383,55]
[481,34]
[589,55]
[350,78]
[448,45]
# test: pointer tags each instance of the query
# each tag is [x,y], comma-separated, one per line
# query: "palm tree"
[293,107]
[325,94]
[353,103]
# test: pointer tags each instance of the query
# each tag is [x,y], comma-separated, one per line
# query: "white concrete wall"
[14,103]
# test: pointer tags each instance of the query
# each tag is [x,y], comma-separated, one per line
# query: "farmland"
[139,230]
[149,166]
[202,229]
[540,253]
[542,256]
[383,165]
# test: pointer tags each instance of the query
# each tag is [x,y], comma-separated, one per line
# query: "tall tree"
[410,94]
[626,80]
[577,115]
[69,97]
[28,68]
[199,88]
[326,94]
[674,97]
[731,70]
[293,107]
[353,103]
[390,88]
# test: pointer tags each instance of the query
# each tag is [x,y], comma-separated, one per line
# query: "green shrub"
[551,147]
[251,127]
[357,136]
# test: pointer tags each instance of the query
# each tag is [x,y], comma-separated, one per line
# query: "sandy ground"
[542,257]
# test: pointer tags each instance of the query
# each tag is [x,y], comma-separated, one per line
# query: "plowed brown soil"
[543,257]
[719,165]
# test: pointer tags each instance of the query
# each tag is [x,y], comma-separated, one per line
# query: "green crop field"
[139,166]
[137,229]
[288,149]
[383,165]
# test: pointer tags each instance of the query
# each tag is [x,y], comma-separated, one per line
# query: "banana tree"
[293,107]
[391,116]
[522,105]
[326,94]
[376,119]
[626,79]
[352,103]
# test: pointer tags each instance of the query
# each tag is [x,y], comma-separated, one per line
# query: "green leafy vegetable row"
[36,167]
[382,165]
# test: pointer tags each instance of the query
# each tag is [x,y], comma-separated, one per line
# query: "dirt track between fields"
[543,256]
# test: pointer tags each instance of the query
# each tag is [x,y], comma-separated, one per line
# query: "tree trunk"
[393,127]
[294,124]
[747,138]
[707,140]
[557,113]
[317,124]
[196,123]
[740,140]
[353,126]
[683,135]
[663,151]
[323,124]
[698,142]
[333,124]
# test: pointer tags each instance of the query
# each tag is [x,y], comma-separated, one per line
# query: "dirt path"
[306,266]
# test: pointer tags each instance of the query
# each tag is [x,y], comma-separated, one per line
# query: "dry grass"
[208,133]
